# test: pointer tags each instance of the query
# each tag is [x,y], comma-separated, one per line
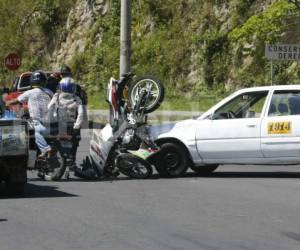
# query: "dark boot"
[89,174]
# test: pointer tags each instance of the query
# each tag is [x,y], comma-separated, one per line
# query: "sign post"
[281,52]
[272,72]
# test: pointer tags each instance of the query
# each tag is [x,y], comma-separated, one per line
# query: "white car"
[259,125]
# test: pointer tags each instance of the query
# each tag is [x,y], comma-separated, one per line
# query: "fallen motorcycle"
[124,145]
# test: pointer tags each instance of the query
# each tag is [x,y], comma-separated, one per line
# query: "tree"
[295,2]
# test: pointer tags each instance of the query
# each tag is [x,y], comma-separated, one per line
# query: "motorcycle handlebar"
[125,77]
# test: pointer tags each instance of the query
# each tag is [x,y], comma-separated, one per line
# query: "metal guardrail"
[101,115]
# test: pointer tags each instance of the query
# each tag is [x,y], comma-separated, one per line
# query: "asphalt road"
[238,207]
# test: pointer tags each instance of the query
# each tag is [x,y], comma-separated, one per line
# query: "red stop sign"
[12,61]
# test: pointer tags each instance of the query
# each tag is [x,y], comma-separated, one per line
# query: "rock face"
[80,21]
[205,56]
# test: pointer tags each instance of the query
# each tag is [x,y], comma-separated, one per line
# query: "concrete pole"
[125,37]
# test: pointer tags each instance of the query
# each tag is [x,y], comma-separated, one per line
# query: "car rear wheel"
[203,170]
[172,161]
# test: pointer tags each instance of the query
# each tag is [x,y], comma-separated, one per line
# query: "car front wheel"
[172,160]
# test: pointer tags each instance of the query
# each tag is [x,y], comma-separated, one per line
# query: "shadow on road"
[3,220]
[37,191]
[229,174]
[292,235]
[106,179]
[75,179]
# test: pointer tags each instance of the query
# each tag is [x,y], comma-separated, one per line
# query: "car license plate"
[279,128]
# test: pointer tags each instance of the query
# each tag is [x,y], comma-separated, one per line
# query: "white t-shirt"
[38,100]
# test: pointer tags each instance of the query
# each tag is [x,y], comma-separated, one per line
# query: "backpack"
[66,107]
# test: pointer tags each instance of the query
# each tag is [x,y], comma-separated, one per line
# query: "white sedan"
[259,125]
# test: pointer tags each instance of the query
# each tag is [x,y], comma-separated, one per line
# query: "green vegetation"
[248,41]
[201,50]
[31,29]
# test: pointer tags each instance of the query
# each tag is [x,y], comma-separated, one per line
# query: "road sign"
[287,52]
[12,61]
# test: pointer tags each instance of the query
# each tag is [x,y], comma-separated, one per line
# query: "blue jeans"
[40,131]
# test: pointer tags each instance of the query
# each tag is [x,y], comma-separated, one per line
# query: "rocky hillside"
[196,47]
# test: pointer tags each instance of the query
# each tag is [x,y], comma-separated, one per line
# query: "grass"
[97,101]
[189,104]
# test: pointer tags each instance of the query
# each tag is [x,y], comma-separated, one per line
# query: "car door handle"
[251,125]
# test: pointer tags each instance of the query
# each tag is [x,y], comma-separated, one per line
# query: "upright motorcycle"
[124,144]
[53,168]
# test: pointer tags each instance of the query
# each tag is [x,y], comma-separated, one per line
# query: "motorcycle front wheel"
[134,166]
[151,84]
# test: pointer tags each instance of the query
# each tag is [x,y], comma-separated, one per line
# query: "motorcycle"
[124,144]
[62,160]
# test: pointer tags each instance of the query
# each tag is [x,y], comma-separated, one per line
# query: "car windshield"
[15,84]
[25,82]
[247,105]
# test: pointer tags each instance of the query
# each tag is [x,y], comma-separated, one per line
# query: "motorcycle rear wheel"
[157,92]
[54,173]
[134,166]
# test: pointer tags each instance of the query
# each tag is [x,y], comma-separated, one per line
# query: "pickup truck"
[13,154]
[14,138]
[20,85]
[259,125]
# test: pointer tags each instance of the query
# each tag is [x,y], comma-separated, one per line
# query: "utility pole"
[125,37]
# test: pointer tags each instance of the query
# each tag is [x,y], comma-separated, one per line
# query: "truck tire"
[17,174]
[204,170]
[17,188]
[172,160]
